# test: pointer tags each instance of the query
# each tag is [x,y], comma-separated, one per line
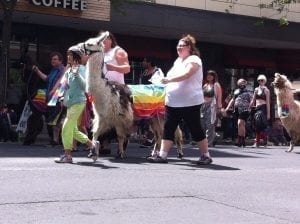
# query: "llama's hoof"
[154,153]
[94,158]
[291,148]
[180,155]
[119,156]
[149,156]
[95,151]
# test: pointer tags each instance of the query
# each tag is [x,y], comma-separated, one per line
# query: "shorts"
[243,115]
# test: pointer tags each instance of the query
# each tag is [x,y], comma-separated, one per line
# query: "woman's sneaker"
[204,160]
[157,159]
[64,159]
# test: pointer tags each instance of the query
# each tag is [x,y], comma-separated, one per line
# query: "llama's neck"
[93,72]
[285,97]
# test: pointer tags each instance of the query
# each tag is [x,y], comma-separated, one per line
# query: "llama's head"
[95,44]
[281,82]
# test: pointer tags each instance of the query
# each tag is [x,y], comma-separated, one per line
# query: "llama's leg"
[291,147]
[178,141]
[121,133]
[121,152]
[106,142]
[96,130]
[94,151]
[293,140]
[154,151]
[156,147]
[125,144]
[157,128]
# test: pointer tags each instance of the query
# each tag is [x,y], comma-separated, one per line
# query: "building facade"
[230,43]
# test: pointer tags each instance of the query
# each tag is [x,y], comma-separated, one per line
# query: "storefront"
[42,26]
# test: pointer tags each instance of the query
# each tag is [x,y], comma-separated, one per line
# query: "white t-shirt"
[189,91]
[110,57]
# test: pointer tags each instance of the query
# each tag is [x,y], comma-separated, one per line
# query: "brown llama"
[285,98]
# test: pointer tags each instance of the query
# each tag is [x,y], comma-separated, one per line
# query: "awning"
[256,63]
[248,57]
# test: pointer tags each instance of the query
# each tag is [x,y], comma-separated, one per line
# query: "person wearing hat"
[241,101]
[74,100]
[261,104]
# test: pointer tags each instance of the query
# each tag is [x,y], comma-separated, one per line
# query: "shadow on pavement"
[212,166]
[134,154]
[178,162]
[97,164]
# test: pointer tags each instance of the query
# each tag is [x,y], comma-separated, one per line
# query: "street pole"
[7,7]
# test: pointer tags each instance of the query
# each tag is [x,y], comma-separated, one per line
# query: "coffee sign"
[66,4]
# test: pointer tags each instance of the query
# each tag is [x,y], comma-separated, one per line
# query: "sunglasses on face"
[260,80]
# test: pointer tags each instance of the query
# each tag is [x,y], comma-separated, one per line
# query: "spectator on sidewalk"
[52,81]
[8,121]
[261,105]
[212,105]
[241,102]
[116,66]
[229,124]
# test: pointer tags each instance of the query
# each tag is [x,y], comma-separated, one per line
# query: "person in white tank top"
[116,63]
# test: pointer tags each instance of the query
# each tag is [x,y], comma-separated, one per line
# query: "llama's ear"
[277,75]
[103,36]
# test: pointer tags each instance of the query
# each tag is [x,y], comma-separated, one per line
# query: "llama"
[111,105]
[288,108]
[149,102]
[157,126]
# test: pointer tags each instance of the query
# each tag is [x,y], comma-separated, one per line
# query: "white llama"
[111,105]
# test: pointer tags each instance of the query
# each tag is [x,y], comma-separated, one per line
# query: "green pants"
[70,127]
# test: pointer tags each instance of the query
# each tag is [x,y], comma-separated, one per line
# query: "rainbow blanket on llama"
[148,100]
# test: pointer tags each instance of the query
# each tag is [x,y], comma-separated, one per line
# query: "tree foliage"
[280,6]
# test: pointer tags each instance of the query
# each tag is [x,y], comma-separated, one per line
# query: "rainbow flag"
[59,92]
[148,100]
[39,100]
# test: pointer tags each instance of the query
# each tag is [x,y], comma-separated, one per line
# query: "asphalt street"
[241,186]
